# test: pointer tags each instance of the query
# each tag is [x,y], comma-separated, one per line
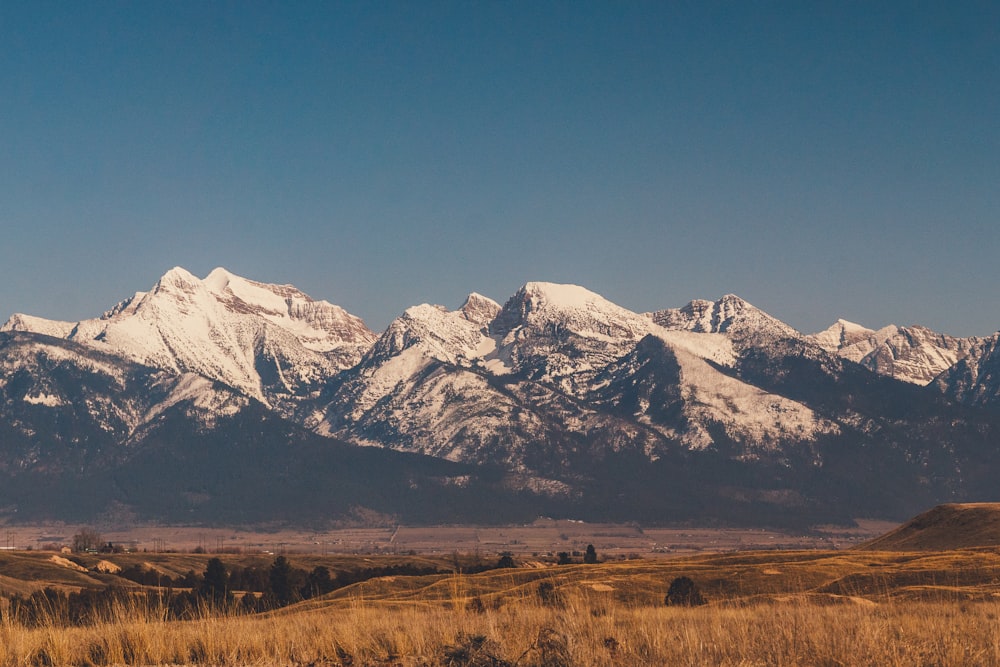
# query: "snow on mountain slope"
[205,401]
[842,334]
[25,354]
[440,410]
[54,328]
[425,385]
[853,343]
[268,341]
[743,323]
[440,383]
[686,398]
[566,308]
[564,334]
[559,390]
[555,366]
[713,347]
[418,338]
[320,326]
[463,414]
[757,418]
[918,355]
[439,333]
[479,309]
[567,335]
[912,354]
[975,379]
[118,395]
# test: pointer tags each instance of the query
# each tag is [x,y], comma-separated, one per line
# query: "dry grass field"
[764,608]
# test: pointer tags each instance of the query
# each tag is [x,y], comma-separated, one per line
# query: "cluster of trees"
[87,539]
[589,556]
[282,583]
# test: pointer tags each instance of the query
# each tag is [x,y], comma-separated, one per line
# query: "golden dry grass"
[583,631]
[953,526]
[766,608]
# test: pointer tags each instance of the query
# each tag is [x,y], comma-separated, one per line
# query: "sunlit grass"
[776,608]
[582,629]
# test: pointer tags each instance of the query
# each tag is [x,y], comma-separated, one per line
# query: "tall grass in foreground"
[581,630]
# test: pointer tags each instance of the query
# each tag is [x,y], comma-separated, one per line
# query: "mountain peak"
[840,334]
[850,326]
[731,315]
[569,308]
[479,309]
[566,295]
[218,279]
[252,336]
[177,276]
[180,284]
[21,322]
[734,301]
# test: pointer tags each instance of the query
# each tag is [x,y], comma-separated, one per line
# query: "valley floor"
[544,536]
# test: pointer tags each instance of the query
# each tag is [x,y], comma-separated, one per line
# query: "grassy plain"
[764,608]
[540,537]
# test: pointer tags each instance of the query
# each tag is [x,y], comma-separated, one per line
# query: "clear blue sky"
[821,160]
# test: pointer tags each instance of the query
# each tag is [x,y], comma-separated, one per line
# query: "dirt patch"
[107,567]
[65,562]
[862,602]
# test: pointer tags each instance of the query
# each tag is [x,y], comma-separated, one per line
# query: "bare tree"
[87,539]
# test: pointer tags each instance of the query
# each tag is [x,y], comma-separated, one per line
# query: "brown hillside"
[954,526]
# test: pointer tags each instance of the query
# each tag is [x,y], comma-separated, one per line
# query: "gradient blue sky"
[821,160]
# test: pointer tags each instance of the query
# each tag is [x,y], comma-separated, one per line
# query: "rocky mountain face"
[743,324]
[911,354]
[975,378]
[556,402]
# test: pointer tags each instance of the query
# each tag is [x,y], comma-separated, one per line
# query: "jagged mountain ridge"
[554,387]
[438,383]
[270,342]
[975,378]
[912,354]
[742,323]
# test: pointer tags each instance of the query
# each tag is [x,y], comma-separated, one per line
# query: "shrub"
[683,592]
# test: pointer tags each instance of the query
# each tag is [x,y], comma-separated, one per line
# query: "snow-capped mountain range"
[554,388]
[270,342]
